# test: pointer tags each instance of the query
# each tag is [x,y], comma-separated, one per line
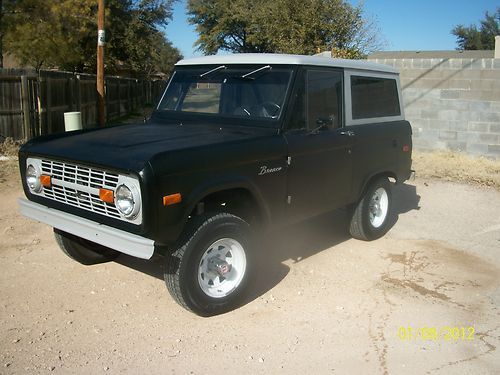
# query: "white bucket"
[72,121]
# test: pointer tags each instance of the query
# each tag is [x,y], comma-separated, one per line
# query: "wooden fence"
[34,104]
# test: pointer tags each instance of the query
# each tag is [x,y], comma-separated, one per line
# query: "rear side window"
[374,97]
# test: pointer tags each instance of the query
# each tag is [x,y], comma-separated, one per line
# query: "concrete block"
[450,115]
[429,134]
[461,105]
[450,94]
[467,63]
[468,136]
[455,63]
[485,84]
[458,125]
[426,63]
[413,111]
[495,128]
[456,146]
[439,124]
[494,150]
[417,64]
[490,74]
[467,74]
[429,144]
[490,117]
[482,127]
[435,63]
[480,95]
[477,148]
[429,114]
[479,106]
[488,63]
[477,64]
[496,64]
[489,138]
[447,135]
[418,124]
[459,84]
[495,106]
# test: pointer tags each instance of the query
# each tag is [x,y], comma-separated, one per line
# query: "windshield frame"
[218,118]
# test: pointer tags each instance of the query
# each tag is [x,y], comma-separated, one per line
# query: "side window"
[324,98]
[374,97]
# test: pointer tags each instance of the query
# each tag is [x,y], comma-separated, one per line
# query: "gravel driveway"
[423,299]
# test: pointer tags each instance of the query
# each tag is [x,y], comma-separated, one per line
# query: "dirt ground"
[320,303]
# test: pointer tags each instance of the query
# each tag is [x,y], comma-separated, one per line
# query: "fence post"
[25,105]
[48,104]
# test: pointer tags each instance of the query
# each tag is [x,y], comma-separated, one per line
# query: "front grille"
[78,186]
[80,175]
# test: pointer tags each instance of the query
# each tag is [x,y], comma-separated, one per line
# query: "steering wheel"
[241,111]
[270,109]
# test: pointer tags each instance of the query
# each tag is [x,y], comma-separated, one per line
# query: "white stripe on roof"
[268,58]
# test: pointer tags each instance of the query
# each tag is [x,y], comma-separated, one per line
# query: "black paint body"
[197,155]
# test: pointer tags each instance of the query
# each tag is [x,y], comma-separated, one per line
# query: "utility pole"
[1,36]
[101,116]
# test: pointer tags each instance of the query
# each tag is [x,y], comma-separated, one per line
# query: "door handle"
[348,133]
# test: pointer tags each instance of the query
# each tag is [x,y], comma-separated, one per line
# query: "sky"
[405,25]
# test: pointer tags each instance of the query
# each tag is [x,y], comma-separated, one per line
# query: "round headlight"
[124,201]
[33,179]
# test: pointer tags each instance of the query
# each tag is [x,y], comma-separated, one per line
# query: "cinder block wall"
[452,103]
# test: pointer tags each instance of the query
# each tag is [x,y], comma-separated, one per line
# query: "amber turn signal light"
[172,199]
[46,180]
[106,195]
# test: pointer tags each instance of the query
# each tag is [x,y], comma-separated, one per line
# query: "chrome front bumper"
[113,238]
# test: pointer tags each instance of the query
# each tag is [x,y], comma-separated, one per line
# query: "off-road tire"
[83,251]
[361,226]
[183,264]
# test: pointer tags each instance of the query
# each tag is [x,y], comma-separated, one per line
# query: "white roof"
[268,58]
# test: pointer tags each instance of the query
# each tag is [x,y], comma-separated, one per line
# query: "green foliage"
[283,26]
[63,34]
[482,38]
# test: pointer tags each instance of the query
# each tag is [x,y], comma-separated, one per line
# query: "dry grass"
[454,166]
[9,147]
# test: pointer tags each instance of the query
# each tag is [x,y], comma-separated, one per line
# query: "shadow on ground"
[295,242]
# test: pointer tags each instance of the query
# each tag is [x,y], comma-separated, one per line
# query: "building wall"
[452,103]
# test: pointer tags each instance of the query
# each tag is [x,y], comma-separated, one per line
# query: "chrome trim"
[113,238]
[78,186]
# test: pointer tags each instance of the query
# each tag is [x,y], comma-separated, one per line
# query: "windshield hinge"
[289,160]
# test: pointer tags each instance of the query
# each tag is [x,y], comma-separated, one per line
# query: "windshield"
[255,92]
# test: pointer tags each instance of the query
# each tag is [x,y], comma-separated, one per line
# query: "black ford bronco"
[236,144]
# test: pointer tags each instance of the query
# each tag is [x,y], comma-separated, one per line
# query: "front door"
[319,147]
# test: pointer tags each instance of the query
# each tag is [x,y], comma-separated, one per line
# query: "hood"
[130,147]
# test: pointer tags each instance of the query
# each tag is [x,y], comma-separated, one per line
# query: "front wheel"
[370,219]
[83,251]
[208,272]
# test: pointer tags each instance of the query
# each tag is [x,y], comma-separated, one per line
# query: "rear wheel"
[83,251]
[209,270]
[370,219]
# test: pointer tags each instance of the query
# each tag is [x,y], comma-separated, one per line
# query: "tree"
[482,38]
[63,34]
[283,26]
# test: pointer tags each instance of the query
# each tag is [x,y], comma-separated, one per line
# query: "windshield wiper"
[213,70]
[247,76]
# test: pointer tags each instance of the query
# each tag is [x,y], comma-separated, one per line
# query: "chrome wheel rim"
[222,268]
[379,205]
